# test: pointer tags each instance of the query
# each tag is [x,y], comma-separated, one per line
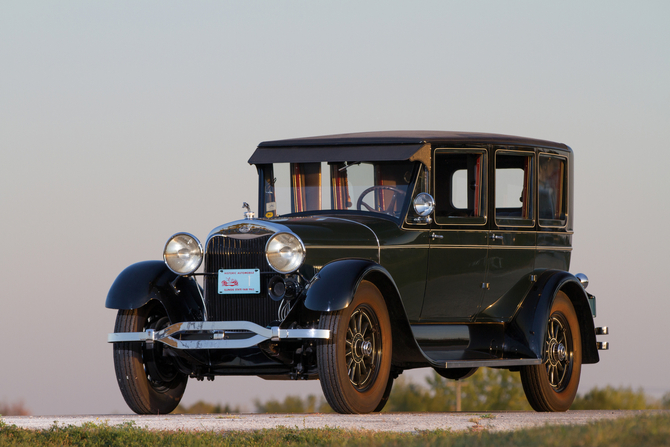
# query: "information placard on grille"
[236,281]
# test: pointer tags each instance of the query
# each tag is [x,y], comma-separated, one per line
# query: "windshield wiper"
[347,165]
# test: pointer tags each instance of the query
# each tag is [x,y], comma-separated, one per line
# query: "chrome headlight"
[285,252]
[183,253]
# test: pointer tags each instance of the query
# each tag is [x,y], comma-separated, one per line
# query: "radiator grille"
[228,253]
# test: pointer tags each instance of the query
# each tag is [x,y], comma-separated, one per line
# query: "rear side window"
[513,191]
[552,190]
[460,187]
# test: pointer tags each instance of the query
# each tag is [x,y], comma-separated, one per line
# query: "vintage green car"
[372,253]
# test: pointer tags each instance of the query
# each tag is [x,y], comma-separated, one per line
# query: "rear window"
[513,188]
[552,190]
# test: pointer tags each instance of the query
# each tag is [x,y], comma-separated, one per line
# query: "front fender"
[525,334]
[333,288]
[148,280]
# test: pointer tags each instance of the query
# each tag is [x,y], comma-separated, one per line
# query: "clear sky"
[122,123]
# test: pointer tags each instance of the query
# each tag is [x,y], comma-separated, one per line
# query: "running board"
[490,363]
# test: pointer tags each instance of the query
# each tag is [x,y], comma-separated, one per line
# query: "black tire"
[149,382]
[354,365]
[552,386]
[385,397]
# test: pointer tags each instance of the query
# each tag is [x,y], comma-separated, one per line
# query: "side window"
[552,191]
[460,187]
[513,192]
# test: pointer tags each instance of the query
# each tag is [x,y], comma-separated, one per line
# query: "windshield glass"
[302,187]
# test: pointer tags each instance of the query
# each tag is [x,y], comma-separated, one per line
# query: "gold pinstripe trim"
[472,247]
[440,246]
[347,247]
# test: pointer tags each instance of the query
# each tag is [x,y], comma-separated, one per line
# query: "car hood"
[315,231]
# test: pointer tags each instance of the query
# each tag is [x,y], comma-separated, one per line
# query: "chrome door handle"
[436,236]
[496,237]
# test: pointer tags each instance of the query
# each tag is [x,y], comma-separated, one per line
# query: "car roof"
[379,146]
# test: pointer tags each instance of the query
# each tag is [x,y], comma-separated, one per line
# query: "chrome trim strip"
[223,230]
[262,334]
[202,298]
[500,362]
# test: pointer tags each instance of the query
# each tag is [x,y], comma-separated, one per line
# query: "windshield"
[379,187]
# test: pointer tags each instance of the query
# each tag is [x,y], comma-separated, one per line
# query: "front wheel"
[354,365]
[149,381]
[552,386]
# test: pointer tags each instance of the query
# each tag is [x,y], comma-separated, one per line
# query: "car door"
[512,238]
[458,236]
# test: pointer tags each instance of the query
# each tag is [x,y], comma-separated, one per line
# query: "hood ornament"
[248,214]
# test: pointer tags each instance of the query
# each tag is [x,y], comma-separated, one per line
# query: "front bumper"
[224,335]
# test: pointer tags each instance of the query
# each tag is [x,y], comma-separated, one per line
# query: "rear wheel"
[354,365]
[552,386]
[149,381]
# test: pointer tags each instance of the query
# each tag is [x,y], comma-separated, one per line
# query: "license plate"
[239,281]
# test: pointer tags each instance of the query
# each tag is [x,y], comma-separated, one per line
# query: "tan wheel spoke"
[364,327]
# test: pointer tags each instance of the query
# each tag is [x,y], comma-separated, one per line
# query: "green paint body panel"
[456,272]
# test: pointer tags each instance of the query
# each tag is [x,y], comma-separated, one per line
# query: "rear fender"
[152,280]
[525,334]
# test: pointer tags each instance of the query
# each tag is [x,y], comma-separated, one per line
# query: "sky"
[122,123]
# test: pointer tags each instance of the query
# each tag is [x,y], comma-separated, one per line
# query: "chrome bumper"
[246,333]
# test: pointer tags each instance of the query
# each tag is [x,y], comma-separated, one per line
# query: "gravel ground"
[399,422]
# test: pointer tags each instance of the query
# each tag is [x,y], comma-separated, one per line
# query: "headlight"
[183,253]
[285,252]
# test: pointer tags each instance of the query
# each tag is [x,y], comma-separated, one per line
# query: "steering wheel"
[398,194]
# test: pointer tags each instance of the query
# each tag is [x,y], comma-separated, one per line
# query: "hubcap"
[558,352]
[363,348]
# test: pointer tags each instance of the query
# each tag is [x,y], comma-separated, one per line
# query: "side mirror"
[424,205]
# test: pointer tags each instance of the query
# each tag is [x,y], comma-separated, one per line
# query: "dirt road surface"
[399,422]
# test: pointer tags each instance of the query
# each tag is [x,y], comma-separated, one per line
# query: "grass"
[645,430]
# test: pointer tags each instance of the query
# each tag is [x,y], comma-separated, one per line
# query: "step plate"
[491,363]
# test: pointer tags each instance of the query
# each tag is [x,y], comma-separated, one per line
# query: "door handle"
[496,237]
[436,236]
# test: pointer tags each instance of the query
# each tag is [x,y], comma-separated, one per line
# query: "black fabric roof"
[313,153]
[373,146]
